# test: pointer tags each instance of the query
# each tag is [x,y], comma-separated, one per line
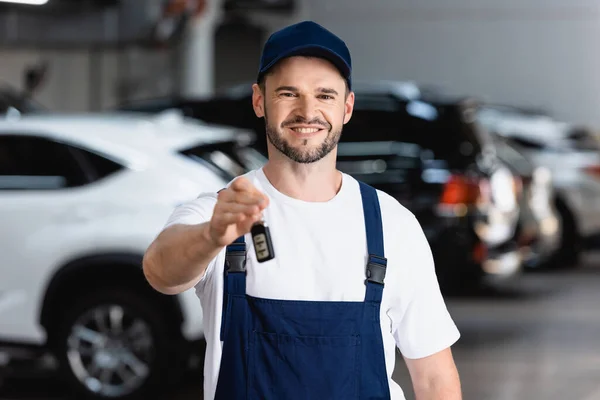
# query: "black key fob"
[263,246]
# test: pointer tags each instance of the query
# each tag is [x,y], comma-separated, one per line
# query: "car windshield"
[443,132]
[150,105]
[581,138]
[227,159]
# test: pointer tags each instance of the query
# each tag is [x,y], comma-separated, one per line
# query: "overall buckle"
[376,268]
[235,261]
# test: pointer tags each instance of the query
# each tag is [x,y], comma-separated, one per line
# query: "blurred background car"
[572,156]
[81,198]
[539,230]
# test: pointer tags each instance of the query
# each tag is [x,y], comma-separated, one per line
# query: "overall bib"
[292,350]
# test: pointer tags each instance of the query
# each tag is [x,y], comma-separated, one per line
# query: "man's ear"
[258,101]
[348,107]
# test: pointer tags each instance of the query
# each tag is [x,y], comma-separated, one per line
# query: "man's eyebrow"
[323,90]
[286,88]
[327,91]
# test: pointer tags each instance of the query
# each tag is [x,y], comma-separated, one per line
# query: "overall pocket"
[303,367]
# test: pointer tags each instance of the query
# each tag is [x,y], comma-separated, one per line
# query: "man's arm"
[435,377]
[178,257]
[421,323]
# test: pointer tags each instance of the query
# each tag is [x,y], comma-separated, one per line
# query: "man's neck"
[319,181]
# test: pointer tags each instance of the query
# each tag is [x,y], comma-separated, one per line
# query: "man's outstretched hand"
[238,207]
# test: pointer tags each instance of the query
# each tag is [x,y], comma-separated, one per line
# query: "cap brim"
[313,50]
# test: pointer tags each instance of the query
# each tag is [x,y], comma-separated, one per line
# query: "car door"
[584,160]
[40,183]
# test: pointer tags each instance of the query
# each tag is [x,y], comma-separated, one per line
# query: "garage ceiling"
[77,23]
[100,23]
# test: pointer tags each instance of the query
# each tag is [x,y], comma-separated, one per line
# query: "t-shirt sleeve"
[421,323]
[194,212]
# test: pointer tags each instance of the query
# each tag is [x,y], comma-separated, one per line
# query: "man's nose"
[307,108]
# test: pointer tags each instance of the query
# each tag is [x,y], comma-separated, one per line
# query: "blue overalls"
[292,350]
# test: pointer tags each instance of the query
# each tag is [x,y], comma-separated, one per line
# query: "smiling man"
[315,136]
[353,277]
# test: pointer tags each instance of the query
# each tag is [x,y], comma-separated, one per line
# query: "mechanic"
[352,276]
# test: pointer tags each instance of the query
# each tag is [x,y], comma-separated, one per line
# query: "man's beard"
[298,154]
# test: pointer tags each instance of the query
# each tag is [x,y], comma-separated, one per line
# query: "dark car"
[426,151]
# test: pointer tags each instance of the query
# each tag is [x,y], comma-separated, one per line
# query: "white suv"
[573,158]
[81,198]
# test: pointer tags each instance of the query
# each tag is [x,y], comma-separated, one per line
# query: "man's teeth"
[305,130]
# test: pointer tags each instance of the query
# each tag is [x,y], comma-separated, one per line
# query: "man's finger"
[242,184]
[247,223]
[238,208]
[249,194]
[257,199]
[223,220]
[225,195]
[252,199]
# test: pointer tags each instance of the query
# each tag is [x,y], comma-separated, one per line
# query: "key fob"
[263,246]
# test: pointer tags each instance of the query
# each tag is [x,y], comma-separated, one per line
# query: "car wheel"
[112,344]
[570,248]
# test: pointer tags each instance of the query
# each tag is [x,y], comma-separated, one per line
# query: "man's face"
[305,107]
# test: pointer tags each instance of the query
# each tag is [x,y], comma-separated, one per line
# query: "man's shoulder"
[391,208]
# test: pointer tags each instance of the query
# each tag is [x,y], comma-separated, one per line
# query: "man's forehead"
[313,71]
[304,62]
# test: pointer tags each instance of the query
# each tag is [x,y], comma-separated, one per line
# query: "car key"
[263,246]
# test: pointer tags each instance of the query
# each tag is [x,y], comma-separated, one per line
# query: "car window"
[526,143]
[379,162]
[227,159]
[443,134]
[376,102]
[583,139]
[511,155]
[37,163]
[97,166]
[374,119]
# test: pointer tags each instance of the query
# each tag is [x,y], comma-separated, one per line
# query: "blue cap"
[306,39]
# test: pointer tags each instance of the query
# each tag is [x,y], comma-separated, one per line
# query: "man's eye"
[287,94]
[326,97]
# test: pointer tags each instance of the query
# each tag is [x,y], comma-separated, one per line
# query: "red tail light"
[479,253]
[592,170]
[461,190]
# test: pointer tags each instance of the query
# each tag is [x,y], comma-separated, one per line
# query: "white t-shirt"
[320,252]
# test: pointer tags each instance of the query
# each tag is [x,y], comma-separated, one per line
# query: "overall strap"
[377,263]
[234,278]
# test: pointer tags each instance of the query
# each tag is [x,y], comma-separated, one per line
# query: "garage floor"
[538,342]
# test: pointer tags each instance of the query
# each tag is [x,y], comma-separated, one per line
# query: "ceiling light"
[32,2]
